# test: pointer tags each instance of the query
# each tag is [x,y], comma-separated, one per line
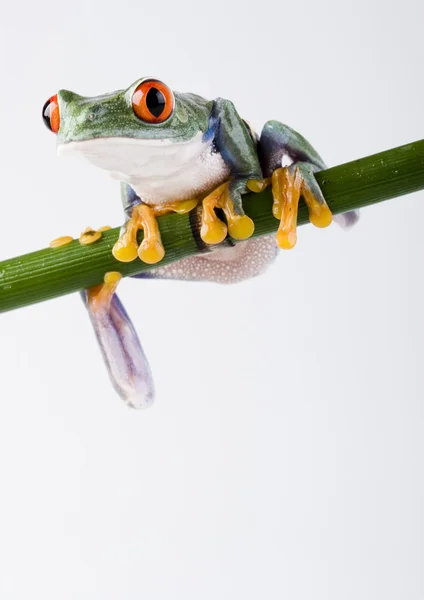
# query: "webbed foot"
[88,236]
[288,184]
[151,249]
[100,296]
[61,241]
[180,206]
[213,230]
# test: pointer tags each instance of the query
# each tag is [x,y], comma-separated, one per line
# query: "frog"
[179,152]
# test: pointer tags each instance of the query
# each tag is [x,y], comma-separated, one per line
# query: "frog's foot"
[288,184]
[90,235]
[124,357]
[151,249]
[61,241]
[180,206]
[100,296]
[258,185]
[213,230]
[143,217]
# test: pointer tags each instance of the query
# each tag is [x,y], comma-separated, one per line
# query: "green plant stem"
[49,273]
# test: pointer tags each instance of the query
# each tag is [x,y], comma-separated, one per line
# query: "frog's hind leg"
[290,162]
[125,360]
[347,219]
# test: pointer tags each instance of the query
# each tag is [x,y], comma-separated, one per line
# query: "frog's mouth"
[125,158]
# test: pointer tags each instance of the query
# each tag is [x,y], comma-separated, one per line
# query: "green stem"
[49,273]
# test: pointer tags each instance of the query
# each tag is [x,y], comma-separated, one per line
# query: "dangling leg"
[279,142]
[125,360]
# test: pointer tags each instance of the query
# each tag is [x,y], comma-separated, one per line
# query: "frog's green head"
[109,125]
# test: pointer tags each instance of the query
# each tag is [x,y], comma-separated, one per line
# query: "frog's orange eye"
[51,116]
[153,101]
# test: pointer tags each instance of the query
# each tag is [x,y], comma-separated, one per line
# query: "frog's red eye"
[51,116]
[153,101]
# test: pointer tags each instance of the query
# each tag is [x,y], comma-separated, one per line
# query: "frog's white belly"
[159,171]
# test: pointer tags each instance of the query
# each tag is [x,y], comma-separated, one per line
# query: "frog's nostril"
[90,116]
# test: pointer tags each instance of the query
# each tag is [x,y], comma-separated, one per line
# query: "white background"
[283,457]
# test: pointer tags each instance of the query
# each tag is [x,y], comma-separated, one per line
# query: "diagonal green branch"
[49,273]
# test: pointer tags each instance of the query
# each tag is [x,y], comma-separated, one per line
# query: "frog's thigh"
[223,265]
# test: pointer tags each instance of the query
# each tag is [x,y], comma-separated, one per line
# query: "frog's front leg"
[239,225]
[125,360]
[279,142]
[151,249]
[235,143]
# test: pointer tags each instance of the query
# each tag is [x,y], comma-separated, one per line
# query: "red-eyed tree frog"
[171,152]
